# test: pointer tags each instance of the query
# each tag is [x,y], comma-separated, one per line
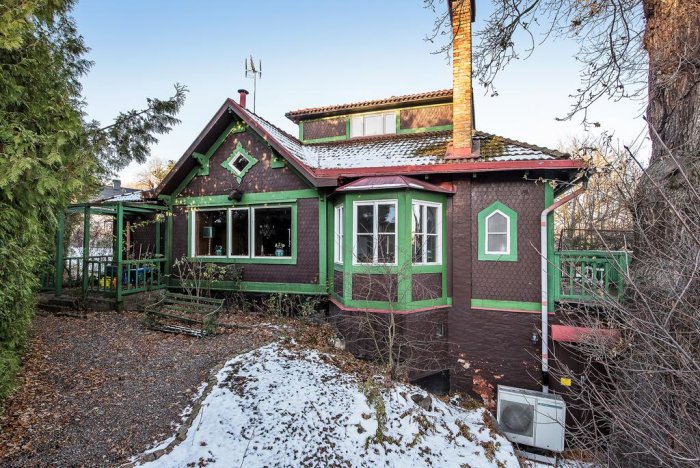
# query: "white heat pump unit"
[532,418]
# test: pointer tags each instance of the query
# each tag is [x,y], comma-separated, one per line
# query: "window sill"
[249,260]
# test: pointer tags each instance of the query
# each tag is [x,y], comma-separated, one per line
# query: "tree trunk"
[672,40]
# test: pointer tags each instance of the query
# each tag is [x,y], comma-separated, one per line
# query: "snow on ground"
[278,407]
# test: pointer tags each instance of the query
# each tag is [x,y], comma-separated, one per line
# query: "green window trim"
[512,233]
[250,258]
[237,153]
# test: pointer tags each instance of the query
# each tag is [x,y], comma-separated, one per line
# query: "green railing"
[103,273]
[590,275]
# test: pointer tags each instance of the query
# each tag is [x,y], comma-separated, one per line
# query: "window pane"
[417,248]
[497,223]
[365,218]
[239,232]
[386,215]
[497,243]
[210,227]
[431,218]
[374,125]
[365,248]
[338,248]
[356,126]
[386,248]
[240,162]
[431,249]
[273,232]
[389,123]
[417,218]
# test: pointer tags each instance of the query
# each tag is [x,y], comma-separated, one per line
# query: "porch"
[590,266]
[124,251]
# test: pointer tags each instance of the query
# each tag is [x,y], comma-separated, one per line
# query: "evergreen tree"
[50,155]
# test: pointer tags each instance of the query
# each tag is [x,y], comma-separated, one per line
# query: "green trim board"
[230,163]
[439,128]
[482,218]
[552,270]
[262,287]
[506,306]
[290,260]
[248,198]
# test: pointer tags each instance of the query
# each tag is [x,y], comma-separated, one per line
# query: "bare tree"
[151,175]
[636,375]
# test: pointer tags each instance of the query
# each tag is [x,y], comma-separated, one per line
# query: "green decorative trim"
[438,128]
[323,240]
[301,130]
[185,182]
[262,287]
[327,139]
[203,159]
[506,305]
[513,217]
[255,260]
[277,161]
[228,163]
[248,198]
[552,269]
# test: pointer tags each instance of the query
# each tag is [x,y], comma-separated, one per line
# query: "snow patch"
[274,406]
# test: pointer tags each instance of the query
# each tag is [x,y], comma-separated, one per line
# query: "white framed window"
[338,234]
[209,232]
[375,226]
[426,227]
[498,233]
[243,232]
[373,124]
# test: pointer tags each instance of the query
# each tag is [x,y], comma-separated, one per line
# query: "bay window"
[374,232]
[427,232]
[338,234]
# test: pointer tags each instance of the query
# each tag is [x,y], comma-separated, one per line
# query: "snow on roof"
[410,149]
[133,196]
[278,407]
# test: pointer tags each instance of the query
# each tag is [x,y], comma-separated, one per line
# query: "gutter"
[544,275]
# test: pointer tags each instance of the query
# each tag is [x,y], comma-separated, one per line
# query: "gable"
[240,160]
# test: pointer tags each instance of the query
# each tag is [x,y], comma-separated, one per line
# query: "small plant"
[288,305]
[197,277]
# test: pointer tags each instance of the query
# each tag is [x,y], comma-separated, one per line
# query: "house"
[115,189]
[395,207]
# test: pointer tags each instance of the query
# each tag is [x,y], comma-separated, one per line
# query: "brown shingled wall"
[423,117]
[327,128]
[426,286]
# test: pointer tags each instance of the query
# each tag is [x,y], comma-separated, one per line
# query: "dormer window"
[373,124]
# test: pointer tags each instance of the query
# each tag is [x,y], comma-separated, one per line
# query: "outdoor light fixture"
[236,195]
[533,338]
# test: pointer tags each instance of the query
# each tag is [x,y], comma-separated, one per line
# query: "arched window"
[498,233]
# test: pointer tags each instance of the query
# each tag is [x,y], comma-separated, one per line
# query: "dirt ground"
[96,391]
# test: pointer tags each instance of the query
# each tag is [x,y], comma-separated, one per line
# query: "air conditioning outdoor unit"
[532,418]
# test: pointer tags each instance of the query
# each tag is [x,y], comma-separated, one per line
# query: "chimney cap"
[243,91]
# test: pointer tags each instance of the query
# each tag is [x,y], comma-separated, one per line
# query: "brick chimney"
[462,109]
[242,93]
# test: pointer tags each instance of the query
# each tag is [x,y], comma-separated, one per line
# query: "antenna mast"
[255,72]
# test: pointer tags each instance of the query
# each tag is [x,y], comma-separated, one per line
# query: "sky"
[313,53]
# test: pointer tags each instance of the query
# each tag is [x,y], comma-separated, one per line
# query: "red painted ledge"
[569,334]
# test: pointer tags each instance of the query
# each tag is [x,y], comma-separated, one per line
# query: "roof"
[430,97]
[391,182]
[110,191]
[132,196]
[322,164]
[414,149]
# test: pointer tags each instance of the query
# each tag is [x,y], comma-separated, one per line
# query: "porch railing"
[103,275]
[590,275]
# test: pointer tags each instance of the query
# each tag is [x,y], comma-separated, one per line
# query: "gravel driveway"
[97,391]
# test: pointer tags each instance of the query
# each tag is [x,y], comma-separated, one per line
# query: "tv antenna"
[255,72]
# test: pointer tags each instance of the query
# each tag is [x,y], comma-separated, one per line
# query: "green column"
[403,216]
[86,248]
[58,282]
[168,240]
[118,252]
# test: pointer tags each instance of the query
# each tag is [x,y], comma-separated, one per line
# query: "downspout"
[544,275]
